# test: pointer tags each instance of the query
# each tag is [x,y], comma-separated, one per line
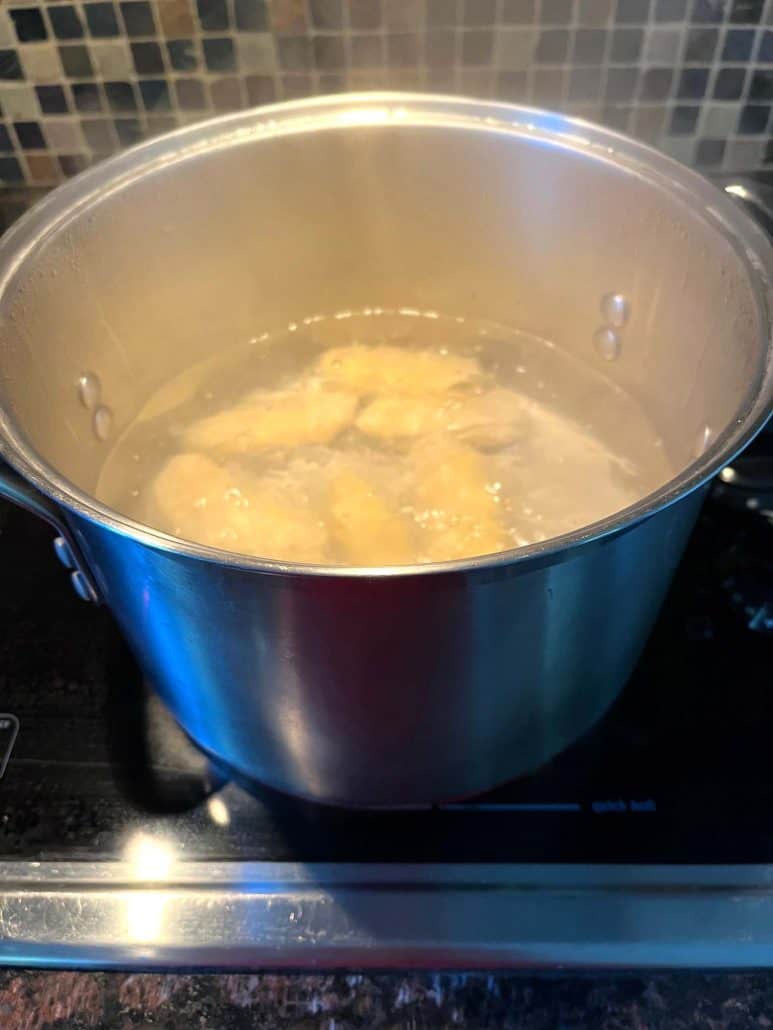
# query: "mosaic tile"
[692,76]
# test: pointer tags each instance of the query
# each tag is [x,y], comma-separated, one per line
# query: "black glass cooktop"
[679,771]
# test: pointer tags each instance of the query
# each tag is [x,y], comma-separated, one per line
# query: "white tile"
[513,48]
[64,135]
[256,53]
[41,63]
[112,60]
[19,101]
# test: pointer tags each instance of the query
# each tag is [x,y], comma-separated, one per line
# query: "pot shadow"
[154,764]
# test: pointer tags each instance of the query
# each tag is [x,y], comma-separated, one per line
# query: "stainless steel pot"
[401,685]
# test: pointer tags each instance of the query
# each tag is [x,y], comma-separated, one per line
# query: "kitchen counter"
[73,1001]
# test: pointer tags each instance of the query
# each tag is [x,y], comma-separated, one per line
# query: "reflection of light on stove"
[145,915]
[150,859]
[218,812]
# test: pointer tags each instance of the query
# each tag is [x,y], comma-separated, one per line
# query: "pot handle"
[15,488]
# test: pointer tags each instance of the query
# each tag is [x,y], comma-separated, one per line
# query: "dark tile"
[294,52]
[120,96]
[692,83]
[761,87]
[147,58]
[632,12]
[403,49]
[616,117]
[138,18]
[155,95]
[670,10]
[656,83]
[158,124]
[65,21]
[683,121]
[52,99]
[98,133]
[327,14]
[251,15]
[555,12]
[367,51]
[754,119]
[584,84]
[101,20]
[621,83]
[332,82]
[518,12]
[481,12]
[86,96]
[226,94]
[738,45]
[213,14]
[440,48]
[477,46]
[129,131]
[219,54]
[710,152]
[6,144]
[328,52]
[296,86]
[746,12]
[10,170]
[548,86]
[76,62]
[190,94]
[708,11]
[29,136]
[260,89]
[366,14]
[626,45]
[589,46]
[765,50]
[29,24]
[729,83]
[700,45]
[72,164]
[10,66]
[552,46]
[768,156]
[183,55]
[512,85]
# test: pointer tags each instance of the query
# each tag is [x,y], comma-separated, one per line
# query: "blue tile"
[52,100]
[101,20]
[65,21]
[29,24]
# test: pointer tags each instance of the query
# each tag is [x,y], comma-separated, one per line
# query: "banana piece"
[366,530]
[195,498]
[387,369]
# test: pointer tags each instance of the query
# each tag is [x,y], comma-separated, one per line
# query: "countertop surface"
[72,1001]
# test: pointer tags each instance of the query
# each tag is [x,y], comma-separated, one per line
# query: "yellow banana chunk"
[363,525]
[387,369]
[454,502]
[287,419]
[195,498]
[391,418]
[488,421]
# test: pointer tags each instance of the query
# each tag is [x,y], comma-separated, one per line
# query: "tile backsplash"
[80,80]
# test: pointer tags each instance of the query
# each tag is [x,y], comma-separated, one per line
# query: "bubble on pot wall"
[615,309]
[103,422]
[607,343]
[89,389]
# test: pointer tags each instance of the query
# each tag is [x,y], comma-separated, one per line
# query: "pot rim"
[416,110]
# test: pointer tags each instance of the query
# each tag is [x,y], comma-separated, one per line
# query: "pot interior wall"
[211,249]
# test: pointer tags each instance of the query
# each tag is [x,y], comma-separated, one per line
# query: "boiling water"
[378,438]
